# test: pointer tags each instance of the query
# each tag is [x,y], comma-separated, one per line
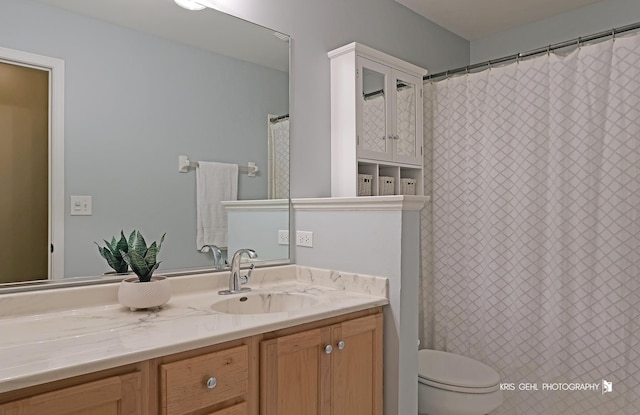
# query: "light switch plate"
[81,205]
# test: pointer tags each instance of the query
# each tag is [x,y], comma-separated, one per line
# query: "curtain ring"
[579,43]
[466,70]
[549,50]
[613,34]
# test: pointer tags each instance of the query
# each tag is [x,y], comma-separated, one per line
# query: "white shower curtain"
[536,226]
[278,158]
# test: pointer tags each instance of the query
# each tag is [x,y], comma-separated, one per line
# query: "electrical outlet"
[283,237]
[304,238]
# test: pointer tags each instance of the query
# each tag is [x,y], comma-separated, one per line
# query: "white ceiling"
[206,29]
[475,19]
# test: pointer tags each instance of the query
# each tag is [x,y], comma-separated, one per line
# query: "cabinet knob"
[328,349]
[212,382]
[341,345]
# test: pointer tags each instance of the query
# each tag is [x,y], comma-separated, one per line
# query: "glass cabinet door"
[374,133]
[389,105]
[407,132]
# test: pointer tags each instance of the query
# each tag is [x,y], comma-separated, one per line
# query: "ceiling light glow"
[190,5]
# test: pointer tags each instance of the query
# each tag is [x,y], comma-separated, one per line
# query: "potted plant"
[111,253]
[144,290]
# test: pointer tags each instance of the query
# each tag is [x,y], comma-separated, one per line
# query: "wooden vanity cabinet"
[332,370]
[328,367]
[123,394]
[356,370]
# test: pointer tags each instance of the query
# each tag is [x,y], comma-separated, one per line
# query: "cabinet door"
[407,120]
[118,395]
[374,137]
[357,367]
[294,374]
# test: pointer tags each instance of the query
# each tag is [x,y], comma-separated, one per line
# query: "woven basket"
[386,185]
[364,184]
[408,186]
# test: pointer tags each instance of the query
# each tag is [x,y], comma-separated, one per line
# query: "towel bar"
[184,165]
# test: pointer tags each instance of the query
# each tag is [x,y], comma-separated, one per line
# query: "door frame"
[55,67]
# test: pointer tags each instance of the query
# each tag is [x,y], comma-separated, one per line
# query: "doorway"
[31,174]
[24,173]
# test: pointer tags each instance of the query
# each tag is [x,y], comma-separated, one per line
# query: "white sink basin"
[258,303]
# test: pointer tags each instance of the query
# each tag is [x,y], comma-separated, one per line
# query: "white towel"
[215,182]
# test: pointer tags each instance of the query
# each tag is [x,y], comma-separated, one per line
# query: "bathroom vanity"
[316,349]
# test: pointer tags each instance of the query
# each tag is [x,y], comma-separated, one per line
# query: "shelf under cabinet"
[377,171]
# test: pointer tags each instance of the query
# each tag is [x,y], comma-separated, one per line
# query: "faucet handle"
[245,278]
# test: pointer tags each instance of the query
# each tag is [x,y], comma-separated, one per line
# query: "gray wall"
[383,243]
[133,103]
[320,26]
[587,20]
[257,228]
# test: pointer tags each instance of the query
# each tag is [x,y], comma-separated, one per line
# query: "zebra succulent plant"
[140,258]
[112,253]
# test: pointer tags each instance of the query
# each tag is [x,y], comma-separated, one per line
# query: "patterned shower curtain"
[535,261]
[278,158]
[374,123]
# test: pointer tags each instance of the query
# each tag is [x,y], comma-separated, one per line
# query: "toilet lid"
[455,370]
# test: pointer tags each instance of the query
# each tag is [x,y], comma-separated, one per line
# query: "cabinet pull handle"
[341,345]
[396,137]
[328,349]
[212,382]
[384,138]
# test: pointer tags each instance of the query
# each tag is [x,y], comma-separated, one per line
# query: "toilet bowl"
[450,384]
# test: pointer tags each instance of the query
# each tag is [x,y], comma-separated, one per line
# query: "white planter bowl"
[137,295]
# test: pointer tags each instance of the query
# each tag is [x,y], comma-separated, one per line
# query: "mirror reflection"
[406,118]
[374,118]
[145,82]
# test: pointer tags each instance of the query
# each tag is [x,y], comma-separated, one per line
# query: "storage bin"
[364,184]
[386,185]
[407,186]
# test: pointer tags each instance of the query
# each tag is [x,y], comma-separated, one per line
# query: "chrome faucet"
[235,279]
[218,262]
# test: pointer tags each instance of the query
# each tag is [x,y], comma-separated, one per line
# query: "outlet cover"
[283,237]
[304,238]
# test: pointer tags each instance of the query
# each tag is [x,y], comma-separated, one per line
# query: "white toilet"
[450,384]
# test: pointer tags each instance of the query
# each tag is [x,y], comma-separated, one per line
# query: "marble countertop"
[47,336]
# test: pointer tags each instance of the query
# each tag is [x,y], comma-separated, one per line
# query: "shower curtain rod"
[280,118]
[534,52]
[399,85]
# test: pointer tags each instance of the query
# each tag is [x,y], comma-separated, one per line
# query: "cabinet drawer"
[239,409]
[184,383]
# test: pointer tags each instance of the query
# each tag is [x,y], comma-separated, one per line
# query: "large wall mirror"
[145,82]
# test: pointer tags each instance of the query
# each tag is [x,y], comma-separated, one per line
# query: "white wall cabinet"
[376,120]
